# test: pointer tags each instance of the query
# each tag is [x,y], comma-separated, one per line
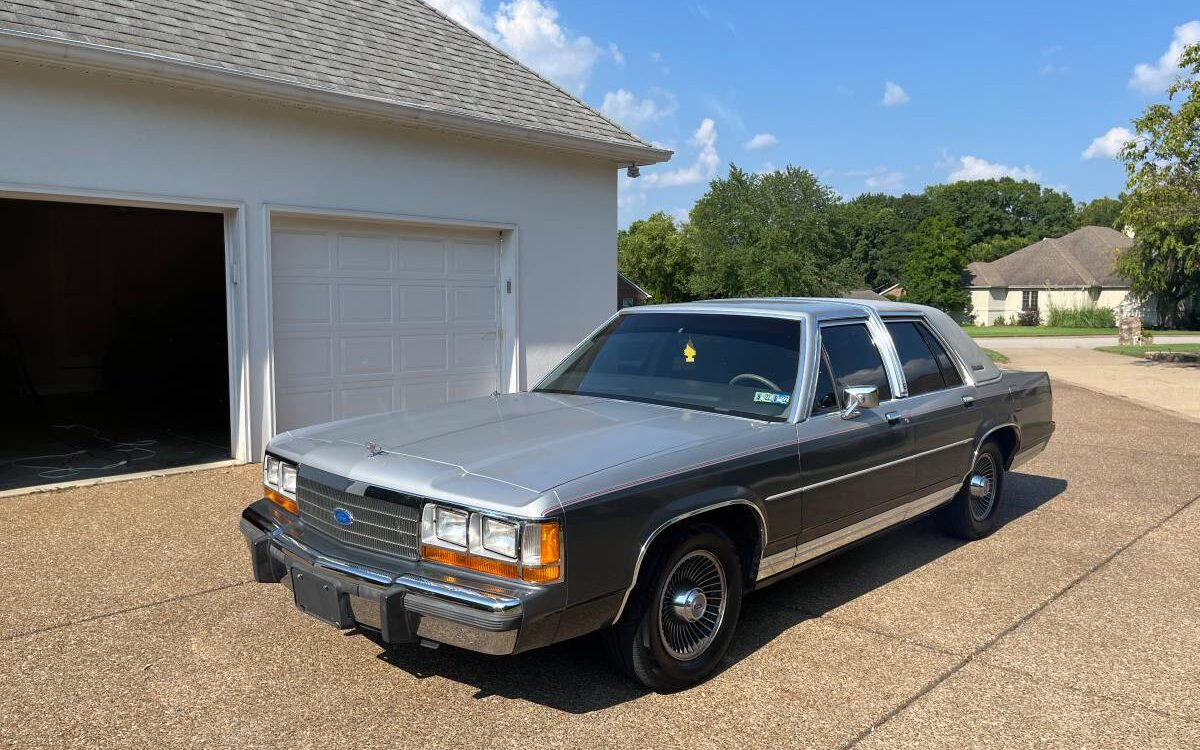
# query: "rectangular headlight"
[451,526]
[271,471]
[500,537]
[287,478]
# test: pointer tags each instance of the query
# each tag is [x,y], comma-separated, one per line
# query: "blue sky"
[871,97]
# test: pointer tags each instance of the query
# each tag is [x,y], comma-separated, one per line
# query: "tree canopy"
[933,268]
[652,252]
[1163,203]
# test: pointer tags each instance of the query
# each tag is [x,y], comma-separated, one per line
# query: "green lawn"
[983,332]
[1140,350]
[995,356]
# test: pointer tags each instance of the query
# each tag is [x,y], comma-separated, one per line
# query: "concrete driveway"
[129,620]
[1068,342]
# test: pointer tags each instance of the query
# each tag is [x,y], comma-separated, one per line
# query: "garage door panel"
[424,353]
[303,358]
[475,351]
[476,304]
[359,402]
[365,303]
[367,355]
[302,302]
[371,317]
[474,258]
[365,253]
[422,304]
[413,395]
[299,251]
[422,255]
[300,408]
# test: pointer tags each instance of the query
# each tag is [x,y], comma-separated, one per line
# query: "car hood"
[532,441]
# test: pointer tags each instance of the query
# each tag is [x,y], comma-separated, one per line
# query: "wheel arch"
[1007,435]
[741,518]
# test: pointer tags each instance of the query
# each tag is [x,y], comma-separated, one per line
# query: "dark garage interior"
[113,341]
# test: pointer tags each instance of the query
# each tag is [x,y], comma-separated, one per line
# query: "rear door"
[854,468]
[940,406]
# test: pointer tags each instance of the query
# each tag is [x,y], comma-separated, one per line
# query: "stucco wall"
[88,132]
[989,304]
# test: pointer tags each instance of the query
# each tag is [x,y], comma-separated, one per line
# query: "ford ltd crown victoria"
[679,457]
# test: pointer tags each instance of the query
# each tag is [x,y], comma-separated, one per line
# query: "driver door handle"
[894,417]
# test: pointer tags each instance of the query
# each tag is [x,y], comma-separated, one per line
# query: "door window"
[950,373]
[921,370]
[854,359]
[825,398]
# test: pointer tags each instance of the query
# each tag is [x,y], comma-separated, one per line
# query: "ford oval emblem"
[343,516]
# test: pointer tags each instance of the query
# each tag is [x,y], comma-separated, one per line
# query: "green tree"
[1163,203]
[1101,212]
[933,269]
[762,235]
[988,210]
[652,253]
[874,227]
[994,248]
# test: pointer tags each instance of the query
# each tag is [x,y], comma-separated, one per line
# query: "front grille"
[380,525]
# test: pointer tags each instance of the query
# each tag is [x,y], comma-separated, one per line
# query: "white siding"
[68,130]
[989,304]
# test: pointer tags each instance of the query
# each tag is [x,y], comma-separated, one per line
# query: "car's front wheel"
[680,619]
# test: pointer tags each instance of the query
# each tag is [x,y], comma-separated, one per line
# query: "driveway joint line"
[119,612]
[956,668]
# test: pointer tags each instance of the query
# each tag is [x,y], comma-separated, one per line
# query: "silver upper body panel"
[532,454]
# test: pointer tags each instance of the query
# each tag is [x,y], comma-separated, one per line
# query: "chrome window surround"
[637,567]
[887,353]
[964,372]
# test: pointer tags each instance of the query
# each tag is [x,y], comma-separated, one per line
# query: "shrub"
[1088,316]
[1029,318]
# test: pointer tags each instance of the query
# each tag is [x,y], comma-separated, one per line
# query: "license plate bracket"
[319,597]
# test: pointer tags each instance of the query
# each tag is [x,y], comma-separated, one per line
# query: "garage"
[113,345]
[373,317]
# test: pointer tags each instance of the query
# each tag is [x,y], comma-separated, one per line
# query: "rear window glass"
[733,364]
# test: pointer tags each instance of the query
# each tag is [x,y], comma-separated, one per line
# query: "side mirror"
[859,396]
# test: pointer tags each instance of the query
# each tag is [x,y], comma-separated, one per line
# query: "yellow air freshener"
[689,352]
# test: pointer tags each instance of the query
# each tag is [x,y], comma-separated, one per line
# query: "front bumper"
[422,602]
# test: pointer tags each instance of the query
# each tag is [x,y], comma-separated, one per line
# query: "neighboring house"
[1075,270]
[348,207]
[630,294]
[895,291]
[863,294]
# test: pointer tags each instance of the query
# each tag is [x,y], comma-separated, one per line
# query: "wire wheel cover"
[691,605]
[982,506]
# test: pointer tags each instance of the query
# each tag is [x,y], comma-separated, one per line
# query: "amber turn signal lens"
[542,573]
[283,501]
[469,561]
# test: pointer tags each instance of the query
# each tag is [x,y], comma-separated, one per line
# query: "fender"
[686,508]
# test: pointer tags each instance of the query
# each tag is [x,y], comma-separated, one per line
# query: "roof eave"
[35,47]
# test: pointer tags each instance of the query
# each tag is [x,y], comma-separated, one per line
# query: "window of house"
[853,358]
[1029,299]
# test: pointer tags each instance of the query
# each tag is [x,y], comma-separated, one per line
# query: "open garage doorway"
[113,341]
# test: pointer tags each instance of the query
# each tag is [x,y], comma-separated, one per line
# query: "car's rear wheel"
[973,512]
[681,616]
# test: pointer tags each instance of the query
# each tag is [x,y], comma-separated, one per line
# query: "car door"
[851,468]
[939,406]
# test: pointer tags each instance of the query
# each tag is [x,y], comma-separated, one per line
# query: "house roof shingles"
[397,51]
[1083,258]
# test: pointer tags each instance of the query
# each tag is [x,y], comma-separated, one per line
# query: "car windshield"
[732,364]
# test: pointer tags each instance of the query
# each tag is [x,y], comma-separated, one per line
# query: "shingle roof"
[398,52]
[1083,258]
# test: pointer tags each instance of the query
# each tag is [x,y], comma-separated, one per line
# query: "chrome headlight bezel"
[507,547]
[280,475]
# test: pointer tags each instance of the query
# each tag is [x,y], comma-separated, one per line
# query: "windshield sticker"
[689,352]
[766,397]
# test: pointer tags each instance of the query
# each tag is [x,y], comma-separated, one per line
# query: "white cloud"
[893,95]
[529,30]
[886,181]
[975,168]
[627,109]
[615,52]
[704,168]
[1108,145]
[762,140]
[1154,78]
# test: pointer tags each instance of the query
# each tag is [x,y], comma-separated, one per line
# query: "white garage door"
[373,317]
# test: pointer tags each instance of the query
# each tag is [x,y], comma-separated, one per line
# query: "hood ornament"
[373,449]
